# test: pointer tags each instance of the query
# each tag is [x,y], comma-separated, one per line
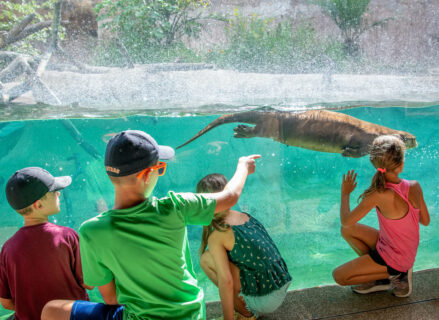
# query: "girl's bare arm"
[424,216]
[225,279]
[348,217]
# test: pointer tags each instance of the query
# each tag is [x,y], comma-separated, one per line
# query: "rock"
[81,17]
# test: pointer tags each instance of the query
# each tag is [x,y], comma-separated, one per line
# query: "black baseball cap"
[30,184]
[132,151]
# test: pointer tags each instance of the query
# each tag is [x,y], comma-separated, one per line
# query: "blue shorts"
[259,305]
[86,310]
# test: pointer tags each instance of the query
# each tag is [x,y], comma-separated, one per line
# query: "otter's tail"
[252,117]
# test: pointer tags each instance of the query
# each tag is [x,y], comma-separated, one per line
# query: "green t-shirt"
[146,250]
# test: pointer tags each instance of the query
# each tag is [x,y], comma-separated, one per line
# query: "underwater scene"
[294,192]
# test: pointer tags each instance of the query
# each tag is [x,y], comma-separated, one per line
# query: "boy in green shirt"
[138,253]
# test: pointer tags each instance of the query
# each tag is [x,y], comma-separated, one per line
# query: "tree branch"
[7,56]
[16,68]
[34,28]
[17,91]
[26,65]
[20,26]
[55,24]
[27,32]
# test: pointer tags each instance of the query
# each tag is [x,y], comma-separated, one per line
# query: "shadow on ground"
[335,302]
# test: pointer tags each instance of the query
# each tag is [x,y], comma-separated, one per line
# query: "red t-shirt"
[38,264]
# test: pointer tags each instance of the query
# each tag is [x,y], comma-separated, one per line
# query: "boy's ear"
[37,205]
[146,176]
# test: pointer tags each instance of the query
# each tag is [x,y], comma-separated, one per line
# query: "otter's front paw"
[243,131]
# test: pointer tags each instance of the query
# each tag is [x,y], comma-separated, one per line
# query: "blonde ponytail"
[386,154]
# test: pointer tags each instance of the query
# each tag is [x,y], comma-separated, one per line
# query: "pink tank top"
[398,240]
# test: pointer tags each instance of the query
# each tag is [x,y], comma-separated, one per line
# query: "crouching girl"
[241,260]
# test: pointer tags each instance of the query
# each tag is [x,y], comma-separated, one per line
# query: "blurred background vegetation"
[157,31]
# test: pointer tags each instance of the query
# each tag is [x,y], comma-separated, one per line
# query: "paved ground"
[340,303]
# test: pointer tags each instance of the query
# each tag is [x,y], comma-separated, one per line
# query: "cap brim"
[61,183]
[166,152]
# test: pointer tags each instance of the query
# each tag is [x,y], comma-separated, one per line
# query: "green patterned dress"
[262,269]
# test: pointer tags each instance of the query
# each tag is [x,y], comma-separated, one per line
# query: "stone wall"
[411,36]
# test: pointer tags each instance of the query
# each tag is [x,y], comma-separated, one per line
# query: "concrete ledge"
[139,88]
[335,302]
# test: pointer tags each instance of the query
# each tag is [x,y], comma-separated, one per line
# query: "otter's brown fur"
[318,130]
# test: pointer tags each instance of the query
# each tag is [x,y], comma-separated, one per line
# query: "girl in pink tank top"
[387,255]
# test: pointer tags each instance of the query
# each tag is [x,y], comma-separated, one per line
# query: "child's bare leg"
[360,270]
[208,266]
[238,300]
[57,310]
[360,237]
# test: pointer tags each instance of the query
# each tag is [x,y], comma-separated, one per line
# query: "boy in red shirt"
[41,261]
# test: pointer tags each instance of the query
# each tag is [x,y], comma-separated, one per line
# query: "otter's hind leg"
[243,131]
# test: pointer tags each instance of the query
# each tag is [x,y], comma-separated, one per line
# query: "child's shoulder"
[43,232]
[179,200]
[53,226]
[220,236]
[414,187]
[414,183]
[63,230]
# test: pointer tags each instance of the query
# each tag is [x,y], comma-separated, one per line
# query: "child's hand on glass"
[348,185]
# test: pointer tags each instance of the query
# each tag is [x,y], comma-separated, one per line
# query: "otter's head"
[408,139]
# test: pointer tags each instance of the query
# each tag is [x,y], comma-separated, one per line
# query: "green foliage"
[145,25]
[12,13]
[348,15]
[253,44]
[108,54]
[263,45]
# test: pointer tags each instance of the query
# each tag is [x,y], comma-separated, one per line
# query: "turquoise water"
[294,192]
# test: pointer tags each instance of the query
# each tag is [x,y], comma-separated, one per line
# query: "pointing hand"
[249,162]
